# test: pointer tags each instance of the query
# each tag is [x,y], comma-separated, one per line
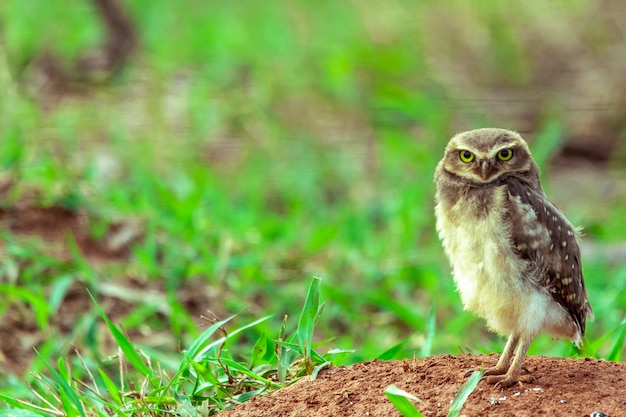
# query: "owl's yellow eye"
[466,156]
[505,154]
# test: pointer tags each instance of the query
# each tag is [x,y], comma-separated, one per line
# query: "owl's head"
[483,156]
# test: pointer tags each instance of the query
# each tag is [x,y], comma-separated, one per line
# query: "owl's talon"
[501,381]
[495,371]
[504,381]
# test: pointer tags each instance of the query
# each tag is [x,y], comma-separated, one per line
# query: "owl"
[514,256]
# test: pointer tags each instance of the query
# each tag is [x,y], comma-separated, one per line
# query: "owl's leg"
[513,375]
[505,359]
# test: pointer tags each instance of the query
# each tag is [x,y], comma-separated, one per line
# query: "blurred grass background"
[179,158]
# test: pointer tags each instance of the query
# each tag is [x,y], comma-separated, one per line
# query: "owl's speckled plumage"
[514,256]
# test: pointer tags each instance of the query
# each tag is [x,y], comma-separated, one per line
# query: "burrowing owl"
[514,255]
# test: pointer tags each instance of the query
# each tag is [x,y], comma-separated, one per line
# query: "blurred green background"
[198,158]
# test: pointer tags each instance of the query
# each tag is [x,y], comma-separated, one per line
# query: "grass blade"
[72,405]
[547,142]
[402,401]
[195,350]
[393,351]
[616,352]
[306,324]
[19,413]
[318,368]
[464,393]
[111,387]
[69,397]
[258,351]
[282,357]
[199,354]
[592,348]
[127,347]
[244,370]
[37,302]
[23,407]
[427,347]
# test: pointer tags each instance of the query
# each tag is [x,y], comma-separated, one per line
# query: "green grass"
[403,401]
[257,145]
[209,379]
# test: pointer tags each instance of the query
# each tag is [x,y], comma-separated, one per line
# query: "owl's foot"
[470,371]
[505,381]
[496,370]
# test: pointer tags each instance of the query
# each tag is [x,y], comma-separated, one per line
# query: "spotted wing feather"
[544,237]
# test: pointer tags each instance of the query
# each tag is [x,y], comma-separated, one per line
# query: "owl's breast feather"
[486,269]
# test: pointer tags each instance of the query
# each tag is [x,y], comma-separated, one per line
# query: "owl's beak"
[485,169]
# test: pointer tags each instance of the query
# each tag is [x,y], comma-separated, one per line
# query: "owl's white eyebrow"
[493,152]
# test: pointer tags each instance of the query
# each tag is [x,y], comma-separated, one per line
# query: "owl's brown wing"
[542,235]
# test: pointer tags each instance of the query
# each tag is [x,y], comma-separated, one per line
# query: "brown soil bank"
[563,387]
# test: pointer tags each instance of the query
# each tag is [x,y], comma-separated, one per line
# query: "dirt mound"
[563,387]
